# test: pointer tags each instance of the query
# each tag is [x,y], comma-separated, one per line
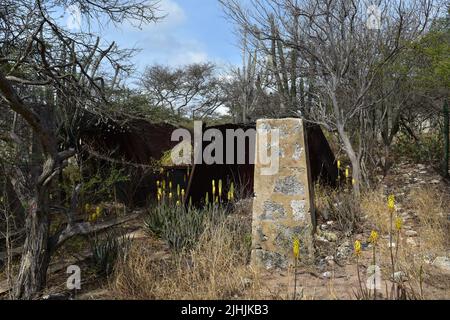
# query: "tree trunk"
[354,159]
[36,254]
[356,176]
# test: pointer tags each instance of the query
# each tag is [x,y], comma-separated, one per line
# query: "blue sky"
[193,31]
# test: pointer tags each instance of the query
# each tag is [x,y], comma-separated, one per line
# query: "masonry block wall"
[282,205]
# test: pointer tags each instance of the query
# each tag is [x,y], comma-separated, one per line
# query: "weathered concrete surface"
[282,206]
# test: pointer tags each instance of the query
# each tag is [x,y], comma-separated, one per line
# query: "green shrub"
[107,250]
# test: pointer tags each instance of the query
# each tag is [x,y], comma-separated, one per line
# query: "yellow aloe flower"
[232,191]
[170,195]
[347,172]
[391,202]
[170,185]
[178,203]
[357,247]
[373,237]
[353,181]
[398,223]
[296,248]
[213,187]
[217,199]
[178,190]
[159,197]
[157,183]
[229,196]
[220,187]
[164,184]
[339,164]
[98,211]
[182,193]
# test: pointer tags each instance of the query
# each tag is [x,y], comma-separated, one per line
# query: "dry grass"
[373,207]
[216,268]
[428,207]
[432,209]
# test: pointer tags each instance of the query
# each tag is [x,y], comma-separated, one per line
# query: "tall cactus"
[446,140]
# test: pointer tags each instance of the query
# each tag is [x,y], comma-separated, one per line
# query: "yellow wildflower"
[339,164]
[220,187]
[296,248]
[398,223]
[232,191]
[373,237]
[357,247]
[391,202]
[347,172]
[170,195]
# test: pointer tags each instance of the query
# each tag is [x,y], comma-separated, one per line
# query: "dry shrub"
[374,208]
[215,268]
[340,206]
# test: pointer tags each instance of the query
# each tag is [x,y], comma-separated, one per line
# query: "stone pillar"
[283,202]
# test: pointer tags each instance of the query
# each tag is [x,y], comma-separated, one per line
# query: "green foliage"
[107,250]
[427,150]
[98,187]
[180,227]
[432,54]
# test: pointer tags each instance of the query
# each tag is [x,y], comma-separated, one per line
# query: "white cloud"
[173,17]
[164,42]
[189,56]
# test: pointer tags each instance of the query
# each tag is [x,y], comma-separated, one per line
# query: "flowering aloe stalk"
[296,250]
[373,239]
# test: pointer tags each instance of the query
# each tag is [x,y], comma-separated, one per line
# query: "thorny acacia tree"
[48,77]
[337,58]
[193,89]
